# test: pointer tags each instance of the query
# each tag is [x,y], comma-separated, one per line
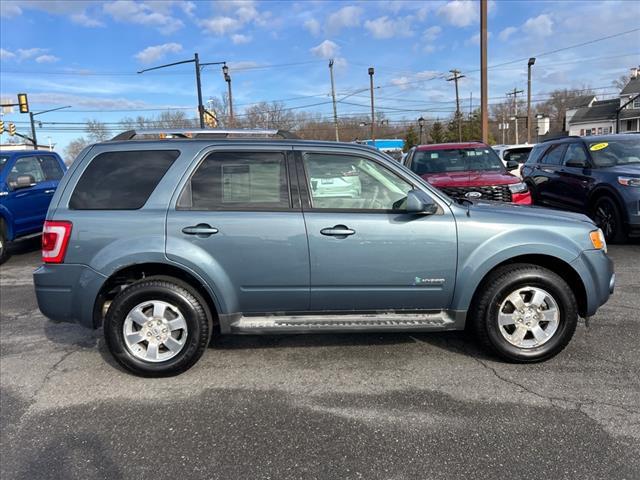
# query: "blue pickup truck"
[28,179]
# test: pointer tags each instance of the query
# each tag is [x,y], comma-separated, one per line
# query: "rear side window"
[121,180]
[536,153]
[238,181]
[50,167]
[554,155]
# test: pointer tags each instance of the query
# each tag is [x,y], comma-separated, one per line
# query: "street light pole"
[373,120]
[33,123]
[530,64]
[421,125]
[333,97]
[484,95]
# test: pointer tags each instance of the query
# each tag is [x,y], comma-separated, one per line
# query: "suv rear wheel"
[525,313]
[607,216]
[157,327]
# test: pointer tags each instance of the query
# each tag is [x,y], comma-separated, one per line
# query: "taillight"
[55,238]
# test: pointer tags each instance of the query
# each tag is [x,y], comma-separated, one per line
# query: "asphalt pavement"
[392,406]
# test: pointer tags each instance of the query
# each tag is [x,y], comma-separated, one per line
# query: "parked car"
[27,182]
[470,169]
[515,153]
[161,240]
[596,175]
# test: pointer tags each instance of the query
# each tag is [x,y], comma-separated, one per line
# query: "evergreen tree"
[437,133]
[410,139]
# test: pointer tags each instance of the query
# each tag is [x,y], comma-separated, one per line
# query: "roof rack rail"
[559,136]
[204,133]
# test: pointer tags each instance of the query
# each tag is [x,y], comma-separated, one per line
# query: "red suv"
[471,170]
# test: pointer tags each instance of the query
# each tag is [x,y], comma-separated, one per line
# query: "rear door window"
[575,152]
[121,180]
[238,181]
[50,167]
[554,155]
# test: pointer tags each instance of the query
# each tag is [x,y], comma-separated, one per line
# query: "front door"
[548,186]
[366,252]
[238,223]
[575,180]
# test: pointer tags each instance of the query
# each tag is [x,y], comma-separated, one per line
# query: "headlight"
[629,181]
[518,187]
[597,240]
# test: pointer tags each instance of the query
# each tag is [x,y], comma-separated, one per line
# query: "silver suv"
[163,238]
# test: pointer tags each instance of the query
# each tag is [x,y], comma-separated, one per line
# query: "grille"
[499,193]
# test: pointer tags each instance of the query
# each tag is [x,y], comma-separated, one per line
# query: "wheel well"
[554,264]
[119,280]
[604,192]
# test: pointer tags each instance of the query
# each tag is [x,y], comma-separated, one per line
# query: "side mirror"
[420,202]
[512,165]
[576,163]
[24,181]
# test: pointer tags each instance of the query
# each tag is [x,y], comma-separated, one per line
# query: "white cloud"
[475,39]
[221,25]
[6,54]
[9,9]
[348,16]
[27,53]
[385,27]
[156,52]
[460,13]
[86,21]
[326,50]
[431,33]
[240,39]
[404,82]
[506,33]
[154,14]
[47,59]
[313,26]
[540,26]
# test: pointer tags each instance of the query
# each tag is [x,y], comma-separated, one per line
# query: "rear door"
[366,252]
[28,205]
[237,221]
[548,187]
[575,181]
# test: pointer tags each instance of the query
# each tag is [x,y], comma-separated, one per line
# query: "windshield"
[3,161]
[456,160]
[622,151]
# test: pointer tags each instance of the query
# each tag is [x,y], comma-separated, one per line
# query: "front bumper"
[596,271]
[67,292]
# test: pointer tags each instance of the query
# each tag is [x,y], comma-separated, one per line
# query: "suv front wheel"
[525,313]
[157,327]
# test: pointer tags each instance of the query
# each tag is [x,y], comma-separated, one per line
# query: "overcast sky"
[85,54]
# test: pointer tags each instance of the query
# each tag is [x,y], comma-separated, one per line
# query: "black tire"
[606,214]
[4,244]
[492,293]
[175,292]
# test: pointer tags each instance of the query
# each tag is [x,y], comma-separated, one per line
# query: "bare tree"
[73,149]
[269,115]
[621,81]
[556,106]
[97,131]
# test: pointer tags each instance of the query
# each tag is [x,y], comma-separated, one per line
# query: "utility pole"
[484,94]
[227,78]
[515,93]
[33,123]
[456,76]
[333,97]
[373,118]
[530,64]
[196,61]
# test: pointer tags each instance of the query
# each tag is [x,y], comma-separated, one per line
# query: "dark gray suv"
[165,237]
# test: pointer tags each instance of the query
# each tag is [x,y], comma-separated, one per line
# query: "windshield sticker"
[598,146]
[434,155]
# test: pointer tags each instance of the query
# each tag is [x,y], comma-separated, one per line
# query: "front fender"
[477,263]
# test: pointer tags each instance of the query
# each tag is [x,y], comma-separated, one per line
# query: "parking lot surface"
[392,406]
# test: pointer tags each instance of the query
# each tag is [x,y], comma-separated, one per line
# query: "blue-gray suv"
[163,238]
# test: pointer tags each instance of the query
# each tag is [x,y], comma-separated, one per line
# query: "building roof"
[581,101]
[601,110]
[632,87]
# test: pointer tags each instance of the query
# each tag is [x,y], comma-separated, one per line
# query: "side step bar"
[408,322]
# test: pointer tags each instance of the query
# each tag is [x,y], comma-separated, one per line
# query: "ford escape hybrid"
[163,241]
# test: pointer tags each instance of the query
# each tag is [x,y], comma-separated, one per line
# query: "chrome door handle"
[201,230]
[337,231]
[49,191]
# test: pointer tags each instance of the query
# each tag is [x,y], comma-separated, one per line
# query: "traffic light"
[12,129]
[23,103]
[1,127]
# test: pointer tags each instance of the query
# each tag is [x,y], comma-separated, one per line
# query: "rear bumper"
[596,270]
[67,292]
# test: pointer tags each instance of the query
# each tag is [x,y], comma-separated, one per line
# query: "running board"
[407,322]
